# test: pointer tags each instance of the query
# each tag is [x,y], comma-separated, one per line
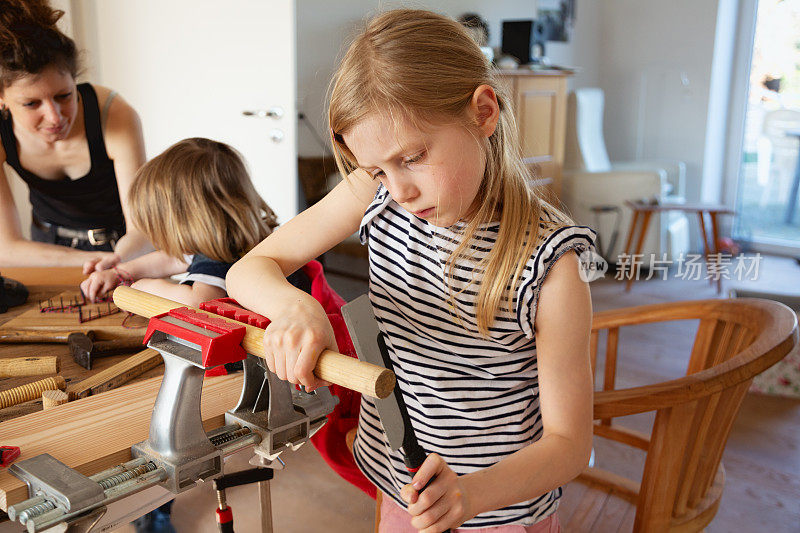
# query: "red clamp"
[230,308]
[8,454]
[223,343]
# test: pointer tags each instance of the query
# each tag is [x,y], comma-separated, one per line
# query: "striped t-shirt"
[471,399]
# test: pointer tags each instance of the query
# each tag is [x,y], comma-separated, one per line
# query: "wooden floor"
[762,458]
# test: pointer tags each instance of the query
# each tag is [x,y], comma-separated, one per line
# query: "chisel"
[371,347]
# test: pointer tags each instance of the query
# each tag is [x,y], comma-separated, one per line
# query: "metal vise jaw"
[282,415]
[190,344]
[273,408]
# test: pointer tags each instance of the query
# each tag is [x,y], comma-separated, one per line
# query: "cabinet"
[540,108]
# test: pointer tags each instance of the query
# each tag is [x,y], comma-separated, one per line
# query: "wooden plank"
[97,432]
[109,325]
[665,460]
[116,375]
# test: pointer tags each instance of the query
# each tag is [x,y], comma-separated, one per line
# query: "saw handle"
[334,367]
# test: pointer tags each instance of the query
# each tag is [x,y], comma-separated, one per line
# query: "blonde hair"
[197,197]
[414,64]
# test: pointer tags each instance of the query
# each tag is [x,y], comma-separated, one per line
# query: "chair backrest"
[737,339]
[586,148]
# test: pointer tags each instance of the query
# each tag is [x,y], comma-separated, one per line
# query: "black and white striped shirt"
[471,399]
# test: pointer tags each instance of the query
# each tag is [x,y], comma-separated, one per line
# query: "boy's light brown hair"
[197,197]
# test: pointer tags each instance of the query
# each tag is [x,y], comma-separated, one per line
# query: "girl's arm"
[125,146]
[153,265]
[299,330]
[563,325]
[191,295]
[17,251]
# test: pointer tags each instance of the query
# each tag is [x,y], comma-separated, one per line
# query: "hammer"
[85,348]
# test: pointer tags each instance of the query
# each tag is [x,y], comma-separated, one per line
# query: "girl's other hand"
[105,262]
[294,341]
[98,284]
[444,504]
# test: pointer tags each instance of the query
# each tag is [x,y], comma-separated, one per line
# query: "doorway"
[767,203]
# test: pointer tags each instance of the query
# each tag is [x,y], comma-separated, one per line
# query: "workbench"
[93,433]
[58,280]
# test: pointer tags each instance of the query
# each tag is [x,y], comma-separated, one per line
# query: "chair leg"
[715,247]
[378,502]
[265,502]
[636,268]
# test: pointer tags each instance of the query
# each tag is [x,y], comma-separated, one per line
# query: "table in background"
[644,211]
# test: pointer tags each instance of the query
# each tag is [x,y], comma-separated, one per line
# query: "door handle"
[275,112]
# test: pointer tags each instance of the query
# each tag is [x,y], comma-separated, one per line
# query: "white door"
[192,67]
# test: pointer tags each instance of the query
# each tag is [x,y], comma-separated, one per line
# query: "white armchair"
[591,180]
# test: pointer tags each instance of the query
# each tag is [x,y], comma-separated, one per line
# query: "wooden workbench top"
[93,433]
[71,371]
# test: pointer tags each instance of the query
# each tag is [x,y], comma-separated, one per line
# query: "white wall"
[324,30]
[652,58]
[583,51]
[655,68]
[191,67]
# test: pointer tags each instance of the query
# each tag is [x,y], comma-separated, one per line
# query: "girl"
[473,280]
[197,205]
[77,147]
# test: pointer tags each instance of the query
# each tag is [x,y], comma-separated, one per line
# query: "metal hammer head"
[81,346]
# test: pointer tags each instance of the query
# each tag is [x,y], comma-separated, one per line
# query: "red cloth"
[330,440]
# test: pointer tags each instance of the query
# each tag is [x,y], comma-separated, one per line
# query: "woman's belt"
[96,237]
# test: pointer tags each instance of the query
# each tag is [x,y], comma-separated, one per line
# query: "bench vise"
[271,415]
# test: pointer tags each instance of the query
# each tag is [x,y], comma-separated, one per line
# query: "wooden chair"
[681,485]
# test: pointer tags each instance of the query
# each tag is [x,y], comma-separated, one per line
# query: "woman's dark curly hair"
[30,41]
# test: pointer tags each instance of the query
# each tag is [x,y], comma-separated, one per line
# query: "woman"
[76,146]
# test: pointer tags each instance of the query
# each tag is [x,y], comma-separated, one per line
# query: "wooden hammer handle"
[118,345]
[31,336]
[335,367]
[28,366]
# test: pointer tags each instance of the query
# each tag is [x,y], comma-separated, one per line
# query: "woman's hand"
[294,341]
[442,505]
[99,283]
[97,264]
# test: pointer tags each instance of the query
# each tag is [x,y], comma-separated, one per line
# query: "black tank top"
[85,203]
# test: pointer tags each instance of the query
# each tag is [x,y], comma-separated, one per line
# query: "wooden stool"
[644,211]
